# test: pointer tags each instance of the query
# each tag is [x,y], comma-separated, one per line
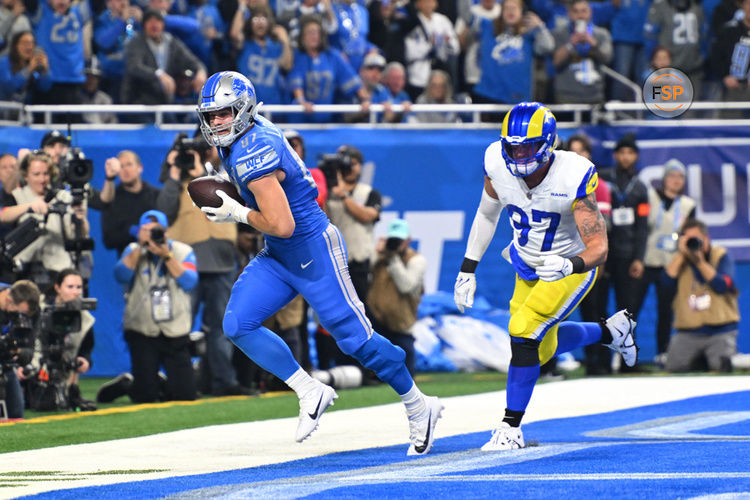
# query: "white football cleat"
[621,327]
[504,438]
[311,408]
[422,427]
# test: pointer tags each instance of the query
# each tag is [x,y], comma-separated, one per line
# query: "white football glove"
[221,174]
[229,211]
[554,268]
[463,292]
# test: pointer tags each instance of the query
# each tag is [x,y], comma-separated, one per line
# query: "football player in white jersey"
[559,239]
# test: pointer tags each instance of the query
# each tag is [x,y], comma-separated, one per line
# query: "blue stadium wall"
[433,178]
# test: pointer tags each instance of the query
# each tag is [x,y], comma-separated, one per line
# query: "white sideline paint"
[237,446]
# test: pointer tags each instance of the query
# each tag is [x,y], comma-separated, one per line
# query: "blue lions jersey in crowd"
[61,37]
[261,65]
[261,151]
[110,36]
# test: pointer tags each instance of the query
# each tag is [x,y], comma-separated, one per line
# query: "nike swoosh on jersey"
[303,266]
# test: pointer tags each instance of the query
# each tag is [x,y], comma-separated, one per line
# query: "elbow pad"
[483,227]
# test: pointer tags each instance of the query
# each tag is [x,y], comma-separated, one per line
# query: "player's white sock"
[414,401]
[301,383]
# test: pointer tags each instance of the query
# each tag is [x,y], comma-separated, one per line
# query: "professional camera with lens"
[76,171]
[331,165]
[694,244]
[392,244]
[16,344]
[56,323]
[185,146]
[158,235]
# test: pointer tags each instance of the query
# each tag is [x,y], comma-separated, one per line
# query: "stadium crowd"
[366,51]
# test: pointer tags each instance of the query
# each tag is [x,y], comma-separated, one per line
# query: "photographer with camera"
[19,303]
[121,206]
[60,217]
[397,287]
[159,274]
[213,245]
[706,311]
[63,351]
[353,207]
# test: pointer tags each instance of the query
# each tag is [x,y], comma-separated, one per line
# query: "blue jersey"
[208,16]
[506,62]
[627,24]
[14,86]
[262,150]
[321,77]
[61,37]
[351,37]
[261,65]
[110,36]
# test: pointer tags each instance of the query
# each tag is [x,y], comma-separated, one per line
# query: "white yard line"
[236,446]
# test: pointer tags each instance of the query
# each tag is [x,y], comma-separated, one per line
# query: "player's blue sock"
[571,335]
[268,351]
[521,380]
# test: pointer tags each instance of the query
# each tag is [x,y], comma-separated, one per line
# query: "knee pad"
[235,325]
[517,325]
[380,356]
[524,352]
[230,324]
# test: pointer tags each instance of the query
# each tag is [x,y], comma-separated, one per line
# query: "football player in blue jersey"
[559,239]
[304,253]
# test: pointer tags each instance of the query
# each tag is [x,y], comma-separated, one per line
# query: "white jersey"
[542,217]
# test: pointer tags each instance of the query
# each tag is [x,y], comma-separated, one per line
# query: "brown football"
[203,191]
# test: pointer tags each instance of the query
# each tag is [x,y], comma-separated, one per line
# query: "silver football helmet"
[227,89]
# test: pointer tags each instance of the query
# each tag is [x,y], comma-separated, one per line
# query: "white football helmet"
[227,89]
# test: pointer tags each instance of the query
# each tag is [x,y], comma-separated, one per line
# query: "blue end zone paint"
[682,449]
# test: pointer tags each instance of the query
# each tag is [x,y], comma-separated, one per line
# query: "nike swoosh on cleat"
[420,449]
[315,414]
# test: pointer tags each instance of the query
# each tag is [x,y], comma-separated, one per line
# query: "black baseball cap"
[53,137]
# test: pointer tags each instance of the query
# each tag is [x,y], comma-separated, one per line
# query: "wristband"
[168,256]
[578,264]
[469,266]
[110,178]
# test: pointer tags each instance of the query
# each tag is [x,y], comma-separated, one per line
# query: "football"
[203,191]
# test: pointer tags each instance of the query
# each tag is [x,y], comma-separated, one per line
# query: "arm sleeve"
[123,274]
[168,200]
[106,33]
[408,278]
[374,200]
[483,227]
[189,278]
[95,200]
[543,41]
[258,160]
[667,281]
[723,282]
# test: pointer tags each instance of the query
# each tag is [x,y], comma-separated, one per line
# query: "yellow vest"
[191,225]
[395,310]
[724,308]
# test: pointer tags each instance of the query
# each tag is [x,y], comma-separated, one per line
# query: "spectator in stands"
[439,91]
[351,36]
[371,74]
[90,94]
[705,305]
[669,209]
[394,80]
[159,276]
[730,62]
[354,207]
[290,18]
[390,21]
[660,58]
[319,72]
[13,20]
[214,49]
[431,44]
[59,29]
[679,26]
[182,26]
[593,307]
[56,145]
[507,47]
[113,29]
[397,287]
[298,145]
[24,71]
[213,245]
[629,231]
[9,177]
[629,57]
[266,53]
[467,37]
[121,206]
[153,59]
[580,48]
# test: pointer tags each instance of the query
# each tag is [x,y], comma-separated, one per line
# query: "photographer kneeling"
[159,274]
[706,311]
[18,304]
[66,339]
